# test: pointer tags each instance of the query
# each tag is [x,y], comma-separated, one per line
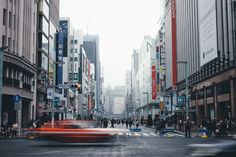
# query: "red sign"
[174,47]
[154,84]
[89,103]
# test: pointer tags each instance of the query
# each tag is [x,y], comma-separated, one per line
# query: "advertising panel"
[207,30]
[154,85]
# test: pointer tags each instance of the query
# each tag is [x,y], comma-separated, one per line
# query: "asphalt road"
[135,145]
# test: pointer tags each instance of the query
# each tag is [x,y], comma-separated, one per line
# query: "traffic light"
[181,100]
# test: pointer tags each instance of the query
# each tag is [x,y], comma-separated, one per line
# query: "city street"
[141,144]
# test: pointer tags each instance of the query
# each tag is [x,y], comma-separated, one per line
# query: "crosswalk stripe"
[179,135]
[145,134]
[153,134]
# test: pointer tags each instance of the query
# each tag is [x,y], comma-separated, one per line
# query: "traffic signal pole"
[186,87]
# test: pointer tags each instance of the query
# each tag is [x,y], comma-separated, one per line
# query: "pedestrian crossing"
[151,134]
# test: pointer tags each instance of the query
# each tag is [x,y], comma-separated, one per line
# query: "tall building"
[207,43]
[146,76]
[47,27]
[18,32]
[134,71]
[91,47]
[118,100]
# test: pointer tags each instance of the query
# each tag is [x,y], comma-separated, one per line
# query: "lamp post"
[1,76]
[186,86]
[53,93]
[146,93]
[138,107]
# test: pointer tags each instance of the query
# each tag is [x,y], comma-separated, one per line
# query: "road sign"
[135,130]
[17,106]
[56,99]
[16,98]
[64,86]
[49,93]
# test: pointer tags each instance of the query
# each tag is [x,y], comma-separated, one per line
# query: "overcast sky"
[121,26]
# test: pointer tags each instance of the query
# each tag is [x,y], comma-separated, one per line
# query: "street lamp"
[186,86]
[1,76]
[138,106]
[146,93]
[53,93]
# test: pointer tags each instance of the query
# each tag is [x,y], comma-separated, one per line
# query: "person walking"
[14,129]
[127,123]
[112,123]
[130,123]
[180,125]
[157,125]
[188,128]
[137,123]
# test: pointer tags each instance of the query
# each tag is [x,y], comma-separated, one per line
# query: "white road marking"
[153,134]
[145,134]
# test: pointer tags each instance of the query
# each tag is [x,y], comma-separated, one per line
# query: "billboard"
[207,30]
[154,83]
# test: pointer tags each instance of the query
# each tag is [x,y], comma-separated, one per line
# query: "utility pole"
[147,101]
[1,76]
[53,94]
[186,87]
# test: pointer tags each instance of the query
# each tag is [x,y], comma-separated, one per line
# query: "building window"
[75,50]
[200,94]
[3,40]
[9,44]
[76,42]
[14,25]
[71,58]
[75,59]
[223,87]
[210,91]
[10,19]
[193,95]
[4,17]
[13,44]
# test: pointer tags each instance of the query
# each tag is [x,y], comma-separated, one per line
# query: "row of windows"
[11,43]
[4,22]
[10,72]
[75,59]
[221,88]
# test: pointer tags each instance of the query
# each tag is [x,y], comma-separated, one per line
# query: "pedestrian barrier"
[135,130]
[166,130]
[203,133]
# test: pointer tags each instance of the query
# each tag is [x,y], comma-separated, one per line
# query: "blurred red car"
[74,131]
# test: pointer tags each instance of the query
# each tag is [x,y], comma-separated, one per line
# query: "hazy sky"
[121,26]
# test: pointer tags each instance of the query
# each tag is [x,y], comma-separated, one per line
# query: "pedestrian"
[127,123]
[14,129]
[162,127]
[112,123]
[157,125]
[122,122]
[188,128]
[180,125]
[137,123]
[130,123]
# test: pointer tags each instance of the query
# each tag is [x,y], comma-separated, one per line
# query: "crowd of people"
[9,130]
[221,127]
[128,123]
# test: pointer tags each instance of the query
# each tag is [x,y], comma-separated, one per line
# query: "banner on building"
[154,82]
[207,30]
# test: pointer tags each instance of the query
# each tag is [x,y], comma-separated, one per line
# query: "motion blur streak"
[222,149]
[75,131]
